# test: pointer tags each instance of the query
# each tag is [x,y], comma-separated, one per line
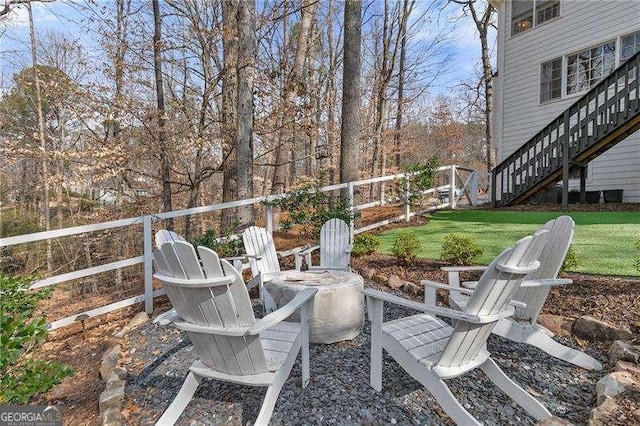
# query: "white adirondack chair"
[532,294]
[212,305]
[335,247]
[164,235]
[263,260]
[430,350]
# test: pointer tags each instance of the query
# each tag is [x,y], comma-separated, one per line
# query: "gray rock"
[112,417]
[557,324]
[614,383]
[111,399]
[109,362]
[380,279]
[114,382]
[628,367]
[395,282]
[594,330]
[600,414]
[554,421]
[620,350]
[411,288]
[368,273]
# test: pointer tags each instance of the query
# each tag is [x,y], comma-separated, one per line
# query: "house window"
[587,68]
[551,80]
[521,16]
[546,10]
[524,11]
[629,46]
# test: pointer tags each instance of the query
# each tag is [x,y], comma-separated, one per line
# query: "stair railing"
[571,138]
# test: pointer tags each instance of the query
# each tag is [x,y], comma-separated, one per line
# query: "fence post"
[474,188]
[269,217]
[351,212]
[407,203]
[452,186]
[148,268]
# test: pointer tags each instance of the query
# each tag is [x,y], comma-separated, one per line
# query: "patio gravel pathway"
[158,357]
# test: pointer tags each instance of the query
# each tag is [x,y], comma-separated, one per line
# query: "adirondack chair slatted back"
[218,306]
[164,235]
[491,296]
[258,242]
[551,259]
[334,243]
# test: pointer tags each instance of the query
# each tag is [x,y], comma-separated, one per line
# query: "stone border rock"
[625,376]
[112,398]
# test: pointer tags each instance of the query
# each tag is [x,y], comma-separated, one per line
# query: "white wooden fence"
[453,190]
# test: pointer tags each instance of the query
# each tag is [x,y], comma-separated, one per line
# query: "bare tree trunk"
[42,137]
[352,64]
[229,107]
[383,79]
[397,137]
[247,51]
[165,162]
[332,96]
[284,148]
[483,23]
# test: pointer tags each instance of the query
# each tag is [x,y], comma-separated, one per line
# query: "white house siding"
[519,114]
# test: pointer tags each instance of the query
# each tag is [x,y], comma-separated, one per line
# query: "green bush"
[311,208]
[637,261]
[226,245]
[423,178]
[365,243]
[405,248]
[460,250]
[570,260]
[21,333]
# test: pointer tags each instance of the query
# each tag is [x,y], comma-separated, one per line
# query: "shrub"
[365,243]
[226,245]
[21,333]
[460,250]
[637,260]
[570,260]
[405,248]
[311,208]
[423,178]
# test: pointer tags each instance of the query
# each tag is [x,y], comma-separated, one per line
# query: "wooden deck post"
[583,184]
[565,162]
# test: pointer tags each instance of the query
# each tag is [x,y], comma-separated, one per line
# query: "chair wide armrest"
[436,310]
[546,282]
[307,250]
[283,313]
[463,268]
[434,284]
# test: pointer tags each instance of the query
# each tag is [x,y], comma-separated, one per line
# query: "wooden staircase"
[600,119]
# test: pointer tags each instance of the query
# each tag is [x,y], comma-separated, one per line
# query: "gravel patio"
[157,358]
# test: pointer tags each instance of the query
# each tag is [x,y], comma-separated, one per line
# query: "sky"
[64,16]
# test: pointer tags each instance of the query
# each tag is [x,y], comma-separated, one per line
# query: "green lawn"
[603,241]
